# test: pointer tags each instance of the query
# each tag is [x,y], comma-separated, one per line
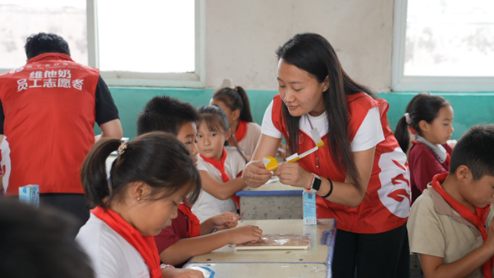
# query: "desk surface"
[271,189]
[241,270]
[317,253]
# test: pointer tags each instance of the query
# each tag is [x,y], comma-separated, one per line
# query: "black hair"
[216,120]
[164,113]
[39,243]
[45,43]
[314,54]
[422,107]
[235,99]
[474,150]
[158,159]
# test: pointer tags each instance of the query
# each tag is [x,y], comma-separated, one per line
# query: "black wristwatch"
[316,184]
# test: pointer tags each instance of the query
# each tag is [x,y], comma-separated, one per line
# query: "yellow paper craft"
[271,163]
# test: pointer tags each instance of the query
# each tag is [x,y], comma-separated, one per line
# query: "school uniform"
[247,136]
[435,228]
[186,225]
[232,164]
[426,160]
[386,204]
[116,249]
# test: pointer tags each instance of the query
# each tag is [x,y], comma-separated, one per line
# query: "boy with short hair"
[187,237]
[447,223]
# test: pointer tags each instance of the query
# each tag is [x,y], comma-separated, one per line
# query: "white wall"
[242,36]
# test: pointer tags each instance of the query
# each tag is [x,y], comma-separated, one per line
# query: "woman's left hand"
[293,174]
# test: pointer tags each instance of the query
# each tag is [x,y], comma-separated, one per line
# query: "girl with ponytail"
[152,175]
[429,119]
[236,105]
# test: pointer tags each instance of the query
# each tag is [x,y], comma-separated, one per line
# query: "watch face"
[316,185]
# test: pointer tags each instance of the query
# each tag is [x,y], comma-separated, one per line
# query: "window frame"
[196,79]
[400,82]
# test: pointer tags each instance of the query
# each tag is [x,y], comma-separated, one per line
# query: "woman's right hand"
[255,174]
[243,234]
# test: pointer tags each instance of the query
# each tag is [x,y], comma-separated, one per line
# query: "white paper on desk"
[273,179]
[278,242]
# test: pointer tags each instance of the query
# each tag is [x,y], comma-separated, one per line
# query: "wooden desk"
[317,254]
[271,201]
[271,270]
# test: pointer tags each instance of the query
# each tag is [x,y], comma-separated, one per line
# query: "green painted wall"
[470,108]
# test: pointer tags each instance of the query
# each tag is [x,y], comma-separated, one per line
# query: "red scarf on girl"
[241,130]
[221,167]
[145,245]
[478,219]
[194,223]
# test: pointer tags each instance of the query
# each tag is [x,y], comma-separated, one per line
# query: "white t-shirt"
[110,254]
[369,134]
[249,142]
[207,205]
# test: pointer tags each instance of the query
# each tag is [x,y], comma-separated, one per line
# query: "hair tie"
[122,148]
[235,88]
[407,118]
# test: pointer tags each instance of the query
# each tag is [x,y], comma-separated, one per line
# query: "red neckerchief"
[478,219]
[194,223]
[221,167]
[448,158]
[241,130]
[145,245]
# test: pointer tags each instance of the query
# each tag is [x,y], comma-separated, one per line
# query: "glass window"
[21,18]
[146,36]
[449,38]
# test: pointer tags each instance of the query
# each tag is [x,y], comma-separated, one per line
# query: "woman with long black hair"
[360,176]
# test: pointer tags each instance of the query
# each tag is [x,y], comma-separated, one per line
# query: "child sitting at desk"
[218,165]
[430,119]
[236,105]
[447,223]
[152,174]
[187,237]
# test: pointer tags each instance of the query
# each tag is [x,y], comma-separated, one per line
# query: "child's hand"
[181,273]
[243,234]
[225,220]
[255,174]
[293,174]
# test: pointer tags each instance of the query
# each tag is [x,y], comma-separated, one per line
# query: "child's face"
[441,128]
[479,193]
[187,135]
[211,143]
[229,113]
[300,91]
[150,217]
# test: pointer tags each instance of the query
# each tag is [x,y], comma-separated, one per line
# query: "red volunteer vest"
[49,107]
[386,204]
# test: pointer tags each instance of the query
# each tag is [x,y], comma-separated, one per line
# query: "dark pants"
[73,204]
[383,255]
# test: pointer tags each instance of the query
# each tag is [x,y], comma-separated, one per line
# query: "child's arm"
[435,267]
[221,221]
[186,248]
[180,273]
[221,190]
